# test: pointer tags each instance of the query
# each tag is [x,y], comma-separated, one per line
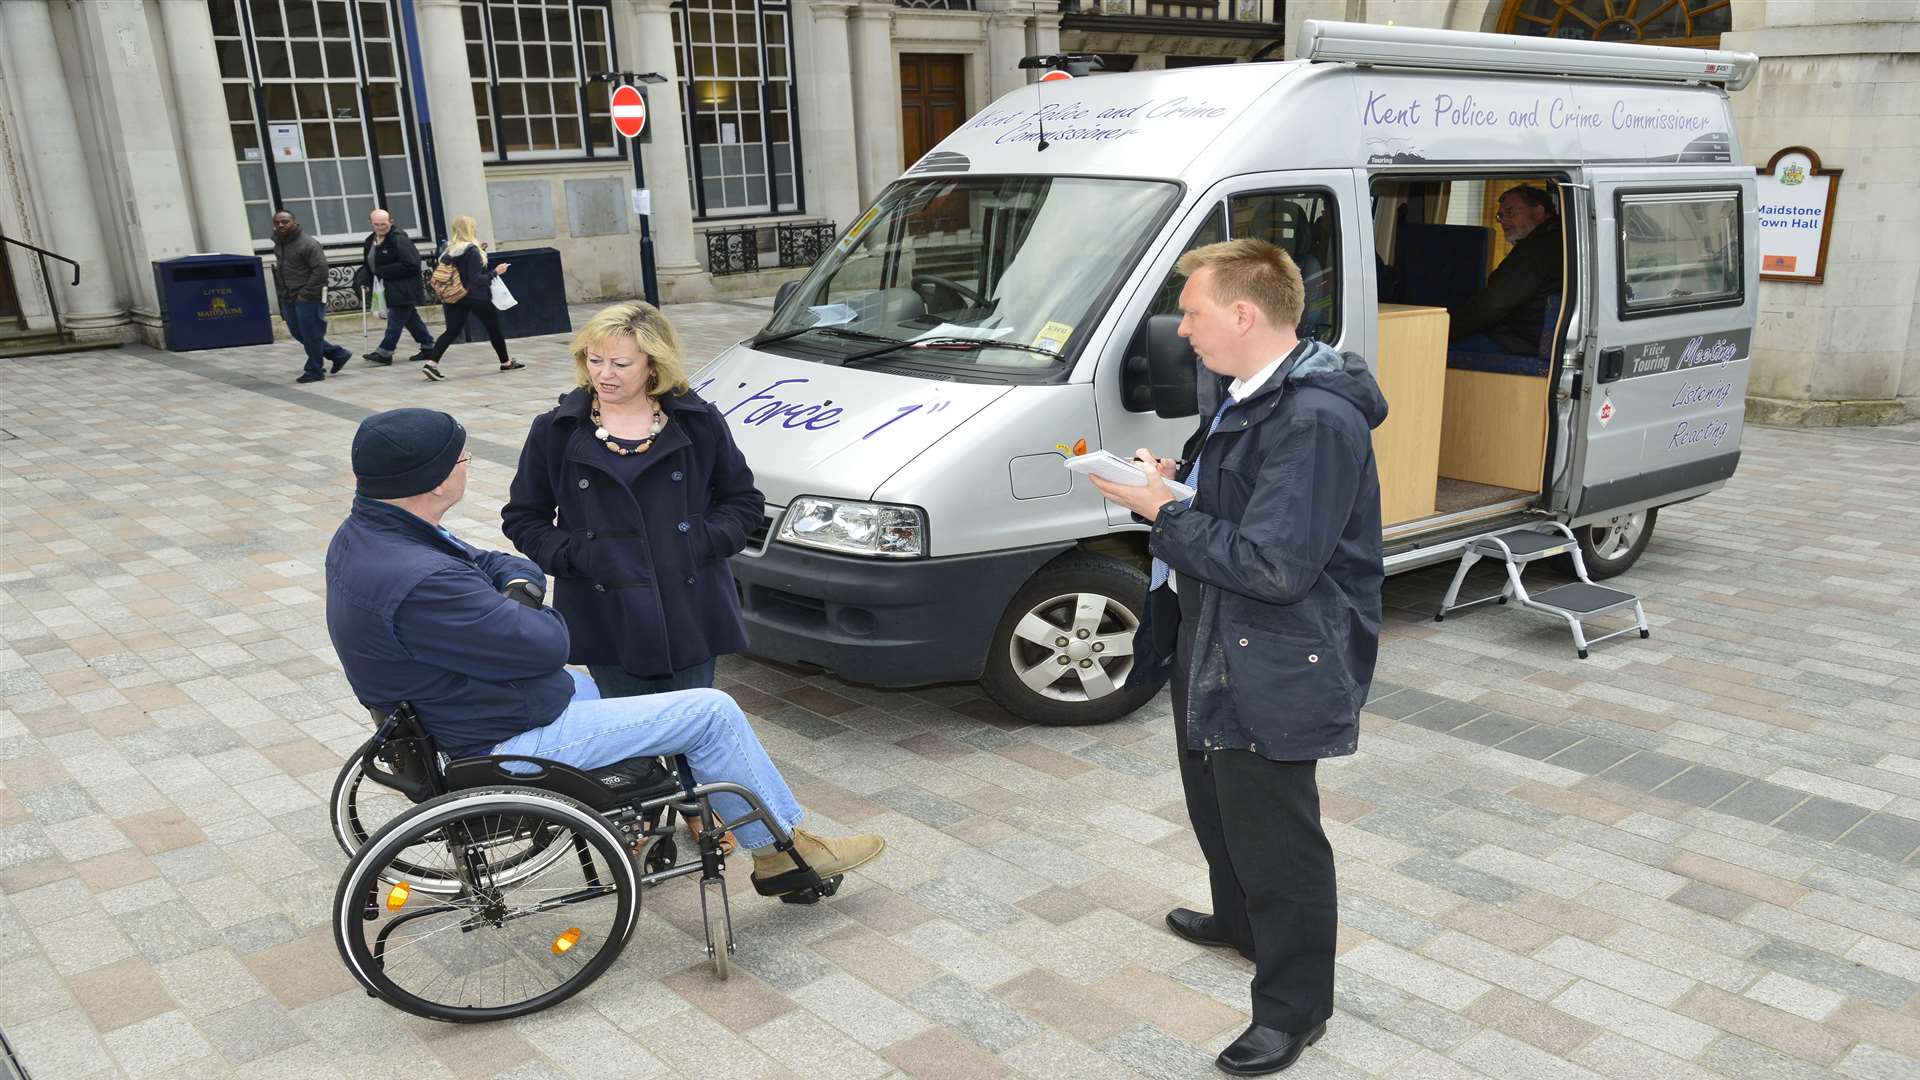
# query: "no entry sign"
[629,111]
[1056,75]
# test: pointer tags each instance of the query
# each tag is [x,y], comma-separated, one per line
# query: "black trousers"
[1269,863]
[479,307]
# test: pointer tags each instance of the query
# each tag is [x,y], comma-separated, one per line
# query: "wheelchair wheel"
[361,807]
[521,940]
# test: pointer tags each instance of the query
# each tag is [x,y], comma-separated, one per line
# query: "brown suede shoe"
[775,872]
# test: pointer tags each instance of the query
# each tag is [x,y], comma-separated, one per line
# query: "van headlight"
[856,528]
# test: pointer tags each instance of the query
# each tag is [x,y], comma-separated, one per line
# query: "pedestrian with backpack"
[463,282]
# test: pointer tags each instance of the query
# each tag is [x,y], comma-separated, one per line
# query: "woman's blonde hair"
[650,330]
[462,234]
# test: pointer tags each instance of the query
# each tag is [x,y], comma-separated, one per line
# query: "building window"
[735,61]
[530,60]
[1697,23]
[314,100]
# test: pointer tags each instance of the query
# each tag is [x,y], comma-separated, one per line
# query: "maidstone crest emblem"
[1794,174]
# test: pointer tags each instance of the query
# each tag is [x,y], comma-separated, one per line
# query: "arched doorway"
[1694,23]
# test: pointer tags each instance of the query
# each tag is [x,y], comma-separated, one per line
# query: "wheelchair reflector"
[397,899]
[566,941]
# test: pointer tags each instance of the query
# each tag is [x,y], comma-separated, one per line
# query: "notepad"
[1109,466]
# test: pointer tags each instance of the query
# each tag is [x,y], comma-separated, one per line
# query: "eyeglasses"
[464,458]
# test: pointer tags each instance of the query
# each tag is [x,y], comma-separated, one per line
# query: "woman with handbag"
[632,494]
[466,285]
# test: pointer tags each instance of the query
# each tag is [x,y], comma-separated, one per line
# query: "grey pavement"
[1692,856]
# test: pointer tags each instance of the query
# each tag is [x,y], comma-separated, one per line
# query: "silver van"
[1010,300]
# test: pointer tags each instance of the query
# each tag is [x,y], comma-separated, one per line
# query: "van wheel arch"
[1611,546]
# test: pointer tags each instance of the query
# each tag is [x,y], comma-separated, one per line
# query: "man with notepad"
[1266,602]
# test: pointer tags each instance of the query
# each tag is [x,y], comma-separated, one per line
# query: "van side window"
[1679,250]
[1304,224]
[1211,231]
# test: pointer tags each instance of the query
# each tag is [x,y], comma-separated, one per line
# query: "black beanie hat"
[405,452]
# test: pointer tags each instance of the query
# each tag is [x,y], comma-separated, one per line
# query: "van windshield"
[995,271]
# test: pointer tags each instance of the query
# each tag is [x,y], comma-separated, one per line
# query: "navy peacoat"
[638,545]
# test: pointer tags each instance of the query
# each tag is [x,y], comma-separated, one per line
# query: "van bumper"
[877,621]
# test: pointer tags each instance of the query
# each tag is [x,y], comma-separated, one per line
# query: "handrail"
[42,255]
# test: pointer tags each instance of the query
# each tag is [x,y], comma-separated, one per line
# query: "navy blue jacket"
[638,545]
[1283,542]
[418,616]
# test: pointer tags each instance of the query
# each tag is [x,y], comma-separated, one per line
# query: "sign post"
[627,107]
[1796,216]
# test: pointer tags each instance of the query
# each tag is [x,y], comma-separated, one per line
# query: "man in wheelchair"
[419,616]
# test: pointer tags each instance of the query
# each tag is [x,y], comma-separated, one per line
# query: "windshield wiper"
[769,339]
[946,343]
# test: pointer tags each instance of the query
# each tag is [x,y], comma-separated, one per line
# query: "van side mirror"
[1170,368]
[786,289]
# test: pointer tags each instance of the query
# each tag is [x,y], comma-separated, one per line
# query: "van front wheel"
[1611,547]
[1063,652]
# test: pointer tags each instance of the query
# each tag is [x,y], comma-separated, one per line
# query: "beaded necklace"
[641,445]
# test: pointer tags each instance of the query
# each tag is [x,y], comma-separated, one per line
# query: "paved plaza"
[1688,857]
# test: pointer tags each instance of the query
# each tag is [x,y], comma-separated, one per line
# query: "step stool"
[1574,601]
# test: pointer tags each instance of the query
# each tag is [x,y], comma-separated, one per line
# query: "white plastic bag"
[502,299]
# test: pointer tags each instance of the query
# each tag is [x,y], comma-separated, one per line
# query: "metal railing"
[1267,12]
[46,279]
[737,251]
[936,5]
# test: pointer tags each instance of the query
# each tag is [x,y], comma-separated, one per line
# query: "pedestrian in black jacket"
[465,255]
[389,255]
[1265,599]
[300,265]
[1508,314]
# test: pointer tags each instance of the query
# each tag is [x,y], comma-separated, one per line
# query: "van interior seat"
[1300,243]
[1505,364]
[1440,265]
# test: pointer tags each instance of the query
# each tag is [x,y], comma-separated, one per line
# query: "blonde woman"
[465,255]
[632,494]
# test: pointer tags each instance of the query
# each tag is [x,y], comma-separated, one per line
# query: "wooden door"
[933,102]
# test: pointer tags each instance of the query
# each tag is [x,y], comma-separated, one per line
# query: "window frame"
[256,83]
[588,150]
[1627,310]
[690,112]
[1335,326]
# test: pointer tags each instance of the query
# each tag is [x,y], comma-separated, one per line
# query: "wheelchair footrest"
[798,886]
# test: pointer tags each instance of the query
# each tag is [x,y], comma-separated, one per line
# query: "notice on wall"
[642,201]
[287,143]
[1795,207]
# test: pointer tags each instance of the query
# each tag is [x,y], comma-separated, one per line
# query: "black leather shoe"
[1262,1050]
[1201,930]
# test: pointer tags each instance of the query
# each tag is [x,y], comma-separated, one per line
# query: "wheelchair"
[492,887]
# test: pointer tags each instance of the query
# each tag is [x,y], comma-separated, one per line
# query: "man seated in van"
[418,615]
[1508,314]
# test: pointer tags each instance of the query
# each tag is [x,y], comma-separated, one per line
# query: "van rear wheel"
[1611,547]
[1062,655]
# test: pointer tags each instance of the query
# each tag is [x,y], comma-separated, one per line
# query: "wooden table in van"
[1412,372]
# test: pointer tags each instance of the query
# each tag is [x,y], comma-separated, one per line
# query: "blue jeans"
[705,725]
[307,322]
[408,319]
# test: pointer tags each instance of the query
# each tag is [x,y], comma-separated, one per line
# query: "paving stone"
[1541,742]
[1890,837]
[983,1019]
[1492,729]
[1702,785]
[1590,755]
[1443,715]
[1846,976]
[1821,818]
[1645,771]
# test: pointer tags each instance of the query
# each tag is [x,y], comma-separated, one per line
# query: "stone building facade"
[137,130]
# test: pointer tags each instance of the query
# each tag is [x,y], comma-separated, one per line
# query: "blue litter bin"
[213,302]
[539,291]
